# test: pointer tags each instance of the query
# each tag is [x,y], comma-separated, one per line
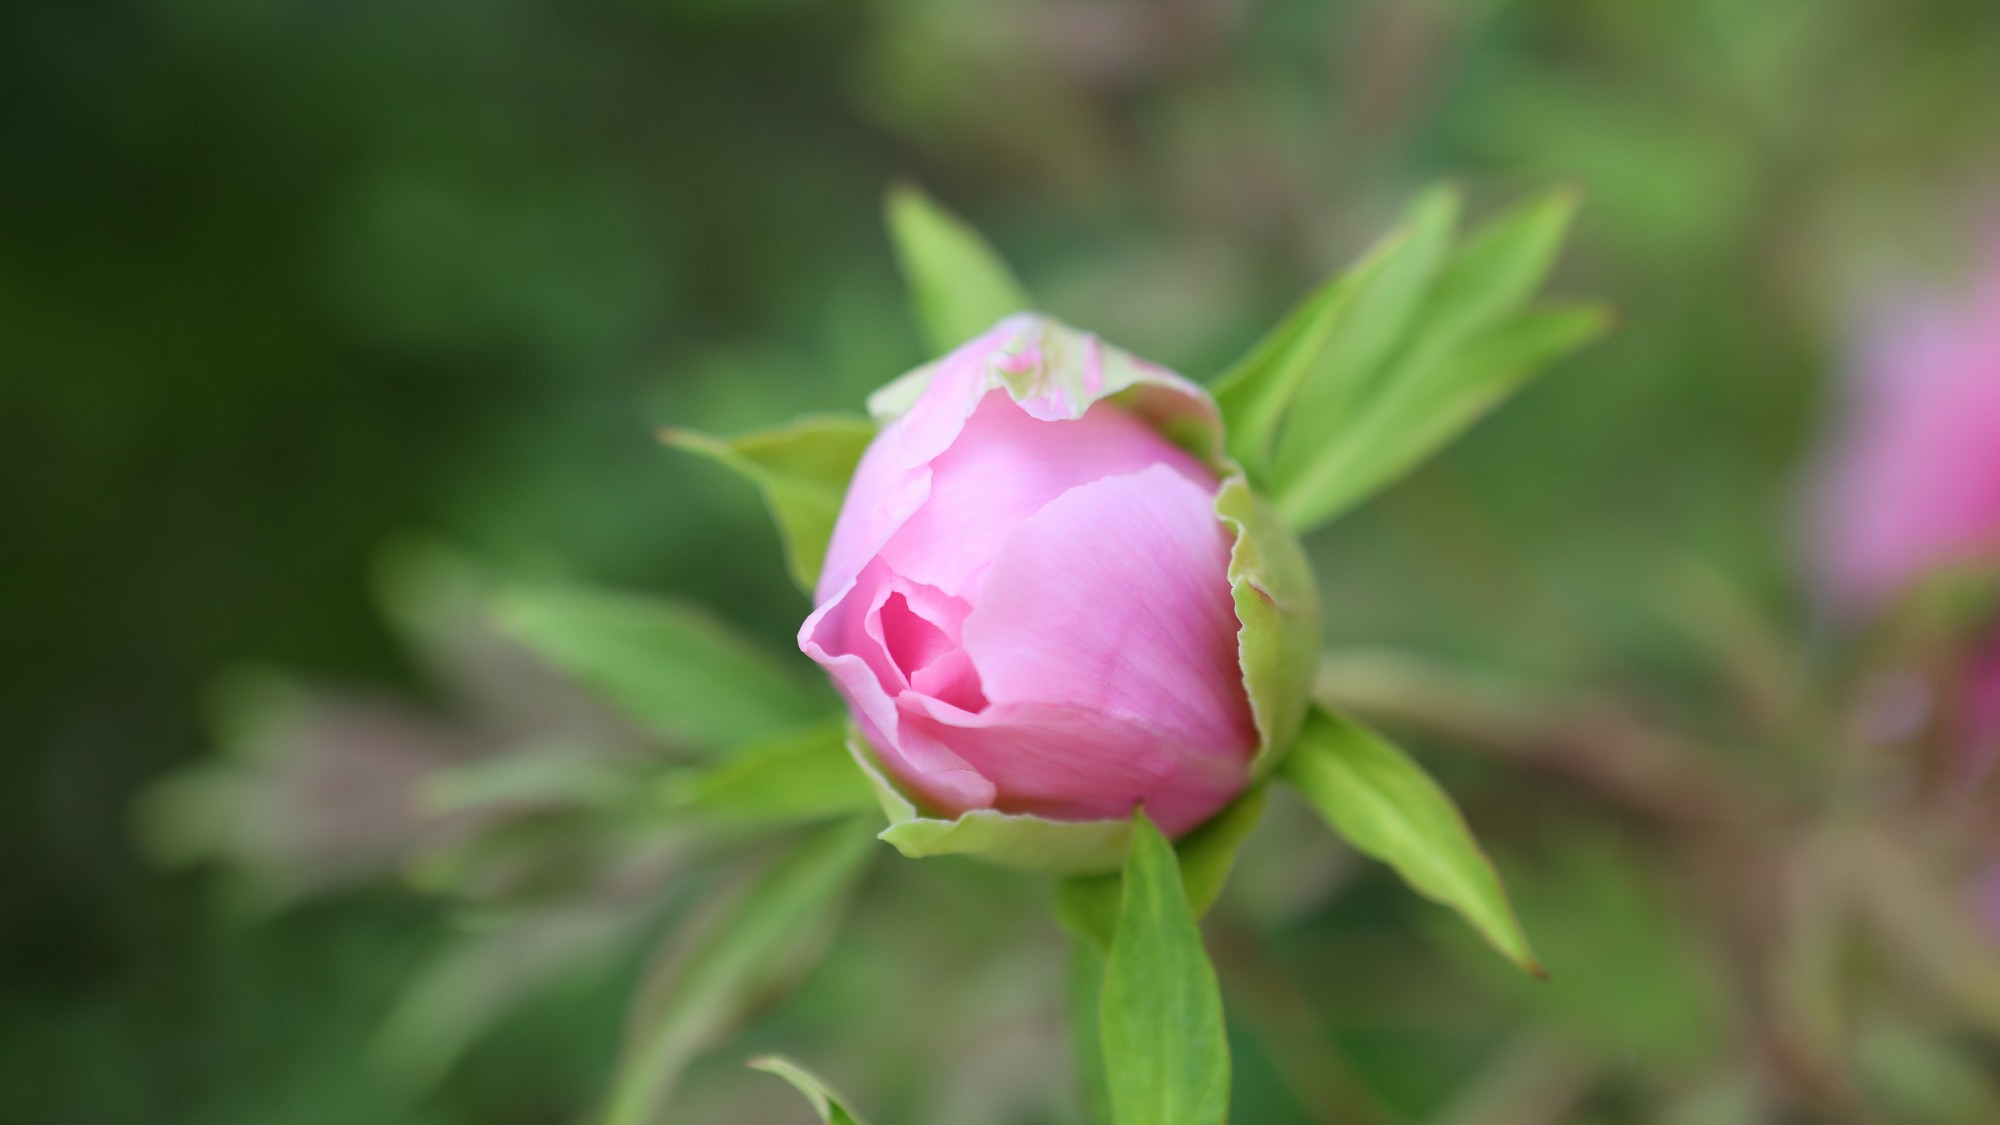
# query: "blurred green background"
[284,285]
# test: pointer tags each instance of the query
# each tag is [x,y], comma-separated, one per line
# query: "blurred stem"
[1320,1079]
[1621,759]
[1759,666]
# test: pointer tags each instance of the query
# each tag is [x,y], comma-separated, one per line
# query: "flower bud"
[1028,600]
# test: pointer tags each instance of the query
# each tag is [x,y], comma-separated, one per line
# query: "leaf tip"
[694,441]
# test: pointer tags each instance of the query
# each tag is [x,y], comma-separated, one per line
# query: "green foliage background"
[283,284]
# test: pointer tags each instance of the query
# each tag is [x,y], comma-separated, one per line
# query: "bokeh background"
[307,306]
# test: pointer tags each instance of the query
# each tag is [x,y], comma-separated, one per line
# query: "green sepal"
[1381,801]
[1031,843]
[831,1109]
[959,287]
[1278,618]
[1087,906]
[1166,1055]
[671,668]
[803,774]
[802,468]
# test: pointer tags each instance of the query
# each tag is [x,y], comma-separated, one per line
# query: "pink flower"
[1913,480]
[1026,602]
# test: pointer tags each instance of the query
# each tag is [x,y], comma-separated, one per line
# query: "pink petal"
[1005,467]
[1113,601]
[838,637]
[1066,763]
[1116,597]
[1912,482]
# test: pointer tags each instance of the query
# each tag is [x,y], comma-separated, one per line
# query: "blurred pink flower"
[1026,600]
[1912,481]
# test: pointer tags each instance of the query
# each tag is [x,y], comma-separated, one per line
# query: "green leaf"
[1388,361]
[1383,803]
[1165,1052]
[1083,990]
[1429,408]
[1332,340]
[1501,265]
[1087,906]
[824,1101]
[1348,366]
[799,775]
[958,285]
[802,468]
[674,670]
[756,944]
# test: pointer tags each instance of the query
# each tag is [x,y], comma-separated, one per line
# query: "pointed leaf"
[1383,803]
[824,1101]
[958,285]
[1165,1053]
[1082,992]
[1502,265]
[802,469]
[1383,314]
[1427,408]
[804,774]
[1087,906]
[755,944]
[1418,353]
[1335,337]
[672,669]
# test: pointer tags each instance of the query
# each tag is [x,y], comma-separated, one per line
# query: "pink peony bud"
[1913,481]
[1026,601]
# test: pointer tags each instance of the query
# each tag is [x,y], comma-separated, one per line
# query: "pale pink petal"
[835,637]
[1007,466]
[1105,639]
[1912,481]
[1116,598]
[1067,763]
[882,494]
